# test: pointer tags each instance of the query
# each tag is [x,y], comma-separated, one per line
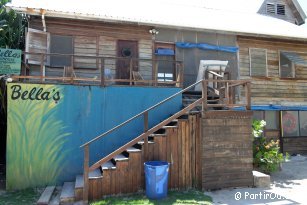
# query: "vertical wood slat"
[204,95]
[130,71]
[180,167]
[192,148]
[85,174]
[42,70]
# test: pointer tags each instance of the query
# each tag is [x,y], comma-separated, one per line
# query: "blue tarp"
[204,46]
[275,107]
[165,52]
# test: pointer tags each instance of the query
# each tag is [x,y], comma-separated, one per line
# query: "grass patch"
[24,197]
[173,197]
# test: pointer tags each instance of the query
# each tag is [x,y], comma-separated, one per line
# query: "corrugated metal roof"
[192,14]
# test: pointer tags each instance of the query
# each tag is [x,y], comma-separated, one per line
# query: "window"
[270,8]
[165,56]
[294,123]
[61,45]
[271,118]
[281,9]
[258,62]
[286,66]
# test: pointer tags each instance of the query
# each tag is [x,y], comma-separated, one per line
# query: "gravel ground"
[288,186]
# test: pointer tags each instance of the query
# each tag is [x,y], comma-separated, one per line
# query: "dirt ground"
[288,186]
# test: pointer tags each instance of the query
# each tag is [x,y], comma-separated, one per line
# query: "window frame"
[250,62]
[65,57]
[293,76]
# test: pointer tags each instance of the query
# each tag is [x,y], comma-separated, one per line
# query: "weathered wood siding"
[273,89]
[295,145]
[227,154]
[98,38]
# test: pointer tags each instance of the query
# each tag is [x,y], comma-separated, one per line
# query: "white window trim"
[250,62]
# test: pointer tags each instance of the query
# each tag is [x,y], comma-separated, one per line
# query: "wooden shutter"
[37,41]
[258,62]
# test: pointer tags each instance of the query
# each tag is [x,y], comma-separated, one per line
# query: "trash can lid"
[156,163]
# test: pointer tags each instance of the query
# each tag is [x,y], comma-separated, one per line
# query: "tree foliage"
[12,25]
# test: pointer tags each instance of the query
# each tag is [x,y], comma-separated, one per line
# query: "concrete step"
[68,193]
[46,196]
[261,180]
[79,184]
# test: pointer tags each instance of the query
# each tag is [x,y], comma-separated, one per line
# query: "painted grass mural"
[33,128]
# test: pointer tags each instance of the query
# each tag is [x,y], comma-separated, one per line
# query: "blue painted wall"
[83,112]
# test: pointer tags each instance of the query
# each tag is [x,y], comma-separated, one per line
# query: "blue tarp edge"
[204,46]
[274,107]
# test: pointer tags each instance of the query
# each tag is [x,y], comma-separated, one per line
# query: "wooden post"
[42,70]
[204,95]
[155,72]
[146,138]
[102,82]
[248,95]
[130,71]
[227,93]
[86,173]
[72,69]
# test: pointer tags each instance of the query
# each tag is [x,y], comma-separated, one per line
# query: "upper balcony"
[99,70]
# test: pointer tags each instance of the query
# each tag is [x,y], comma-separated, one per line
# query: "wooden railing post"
[227,93]
[204,95]
[146,138]
[102,82]
[72,69]
[130,71]
[248,95]
[86,174]
[155,73]
[42,69]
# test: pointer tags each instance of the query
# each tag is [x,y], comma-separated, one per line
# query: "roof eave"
[81,16]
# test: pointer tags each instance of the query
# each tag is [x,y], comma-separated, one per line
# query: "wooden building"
[112,46]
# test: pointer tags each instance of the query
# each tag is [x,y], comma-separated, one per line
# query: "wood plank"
[180,154]
[46,195]
[183,158]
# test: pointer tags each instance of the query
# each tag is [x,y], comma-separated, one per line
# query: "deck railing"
[99,70]
[225,102]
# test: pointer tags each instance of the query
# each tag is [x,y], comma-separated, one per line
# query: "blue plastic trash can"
[156,179]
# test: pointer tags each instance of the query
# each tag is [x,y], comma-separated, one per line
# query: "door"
[126,51]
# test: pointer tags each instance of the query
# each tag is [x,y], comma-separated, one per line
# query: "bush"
[267,156]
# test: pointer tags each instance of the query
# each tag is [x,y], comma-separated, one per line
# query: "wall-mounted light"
[154,31]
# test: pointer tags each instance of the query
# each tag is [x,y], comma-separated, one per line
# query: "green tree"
[12,26]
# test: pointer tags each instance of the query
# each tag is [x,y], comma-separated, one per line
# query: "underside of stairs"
[177,143]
